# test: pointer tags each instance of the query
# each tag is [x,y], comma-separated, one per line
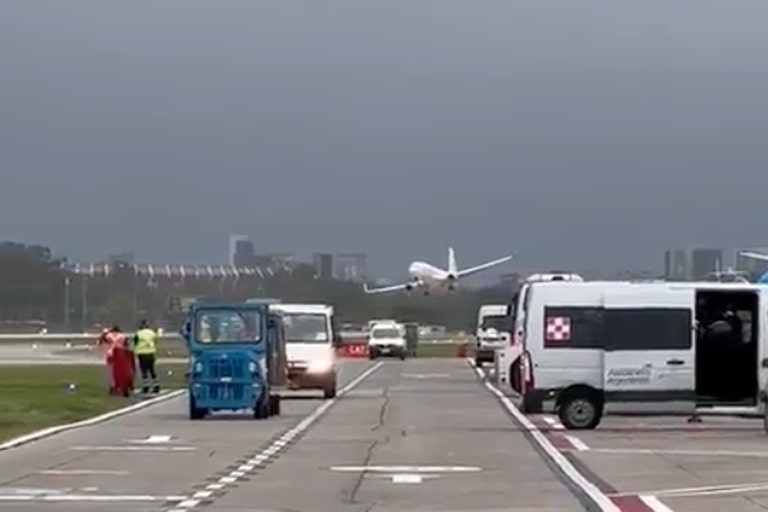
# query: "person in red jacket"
[120,360]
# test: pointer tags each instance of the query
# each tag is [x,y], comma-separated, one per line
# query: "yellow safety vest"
[146,342]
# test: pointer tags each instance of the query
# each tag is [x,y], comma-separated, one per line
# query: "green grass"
[36,397]
[437,350]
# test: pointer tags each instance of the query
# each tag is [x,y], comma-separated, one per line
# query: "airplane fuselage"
[430,278]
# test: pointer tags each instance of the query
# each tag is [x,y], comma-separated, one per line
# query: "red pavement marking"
[631,504]
[560,442]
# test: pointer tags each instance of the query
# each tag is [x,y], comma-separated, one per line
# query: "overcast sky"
[576,133]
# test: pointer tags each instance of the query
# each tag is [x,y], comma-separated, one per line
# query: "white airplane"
[430,278]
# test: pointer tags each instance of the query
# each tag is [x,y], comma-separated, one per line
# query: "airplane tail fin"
[453,268]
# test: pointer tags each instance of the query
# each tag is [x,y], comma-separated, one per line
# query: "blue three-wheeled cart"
[237,359]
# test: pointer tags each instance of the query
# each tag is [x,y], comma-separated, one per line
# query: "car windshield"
[227,326]
[306,328]
[386,332]
[498,322]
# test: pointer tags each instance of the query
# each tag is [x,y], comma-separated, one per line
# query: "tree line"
[35,289]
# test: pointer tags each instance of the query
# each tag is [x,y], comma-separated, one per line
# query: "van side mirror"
[271,323]
[336,339]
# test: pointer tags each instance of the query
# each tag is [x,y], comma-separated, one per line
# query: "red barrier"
[353,348]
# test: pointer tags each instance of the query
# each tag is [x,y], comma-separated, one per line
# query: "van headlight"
[252,367]
[321,365]
[198,367]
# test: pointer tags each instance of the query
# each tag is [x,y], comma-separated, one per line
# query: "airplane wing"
[478,268]
[755,255]
[385,289]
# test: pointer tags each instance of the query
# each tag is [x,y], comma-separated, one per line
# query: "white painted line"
[154,439]
[602,500]
[74,472]
[134,448]
[553,422]
[51,431]
[654,504]
[694,490]
[693,453]
[576,442]
[202,494]
[87,497]
[406,478]
[405,469]
[716,492]
[190,502]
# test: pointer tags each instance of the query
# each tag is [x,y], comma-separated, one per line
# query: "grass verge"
[437,350]
[40,396]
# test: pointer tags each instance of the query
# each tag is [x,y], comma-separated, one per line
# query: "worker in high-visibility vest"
[145,348]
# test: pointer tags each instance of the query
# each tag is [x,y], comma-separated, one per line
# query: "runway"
[413,435]
[418,435]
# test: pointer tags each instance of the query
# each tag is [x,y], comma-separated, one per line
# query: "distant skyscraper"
[351,267]
[691,264]
[233,240]
[676,266]
[704,261]
[323,263]
[245,256]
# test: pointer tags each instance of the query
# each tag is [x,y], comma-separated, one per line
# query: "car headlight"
[320,365]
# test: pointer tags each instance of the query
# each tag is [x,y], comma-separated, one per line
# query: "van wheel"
[478,363]
[196,413]
[580,409]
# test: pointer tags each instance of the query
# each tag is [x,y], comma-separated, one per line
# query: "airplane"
[763,279]
[430,278]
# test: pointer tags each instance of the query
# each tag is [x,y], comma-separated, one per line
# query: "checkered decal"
[557,329]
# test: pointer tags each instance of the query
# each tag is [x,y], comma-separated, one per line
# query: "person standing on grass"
[145,348]
[104,346]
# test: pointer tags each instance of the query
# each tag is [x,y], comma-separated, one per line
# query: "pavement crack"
[371,447]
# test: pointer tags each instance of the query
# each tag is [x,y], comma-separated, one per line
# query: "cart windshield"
[214,326]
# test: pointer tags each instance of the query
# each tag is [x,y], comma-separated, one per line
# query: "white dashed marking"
[192,501]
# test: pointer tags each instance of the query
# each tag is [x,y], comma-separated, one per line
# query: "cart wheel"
[195,413]
[274,405]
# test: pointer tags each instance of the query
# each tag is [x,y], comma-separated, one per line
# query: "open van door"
[649,355]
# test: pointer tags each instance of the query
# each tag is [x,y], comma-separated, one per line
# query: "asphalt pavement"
[413,435]
[418,435]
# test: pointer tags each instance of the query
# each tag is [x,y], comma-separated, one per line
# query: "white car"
[386,340]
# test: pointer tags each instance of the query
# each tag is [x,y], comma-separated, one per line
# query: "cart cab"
[237,359]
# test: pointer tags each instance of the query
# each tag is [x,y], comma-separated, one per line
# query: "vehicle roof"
[661,285]
[387,324]
[302,308]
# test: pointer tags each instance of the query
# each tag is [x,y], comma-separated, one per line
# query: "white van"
[692,348]
[311,340]
[491,333]
[386,338]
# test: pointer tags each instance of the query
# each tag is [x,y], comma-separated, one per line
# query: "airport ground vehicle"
[311,340]
[237,358]
[492,332]
[387,339]
[593,347]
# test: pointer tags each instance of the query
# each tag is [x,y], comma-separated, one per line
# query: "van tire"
[580,409]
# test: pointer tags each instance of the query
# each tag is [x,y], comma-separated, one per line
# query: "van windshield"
[498,322]
[227,326]
[305,328]
[385,332]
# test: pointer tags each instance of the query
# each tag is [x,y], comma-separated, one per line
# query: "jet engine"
[451,282]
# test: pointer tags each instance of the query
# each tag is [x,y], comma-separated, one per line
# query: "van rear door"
[649,355]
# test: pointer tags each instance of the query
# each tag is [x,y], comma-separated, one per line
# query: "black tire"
[274,405]
[580,409]
[402,355]
[262,409]
[371,355]
[195,413]
[478,363]
[329,390]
